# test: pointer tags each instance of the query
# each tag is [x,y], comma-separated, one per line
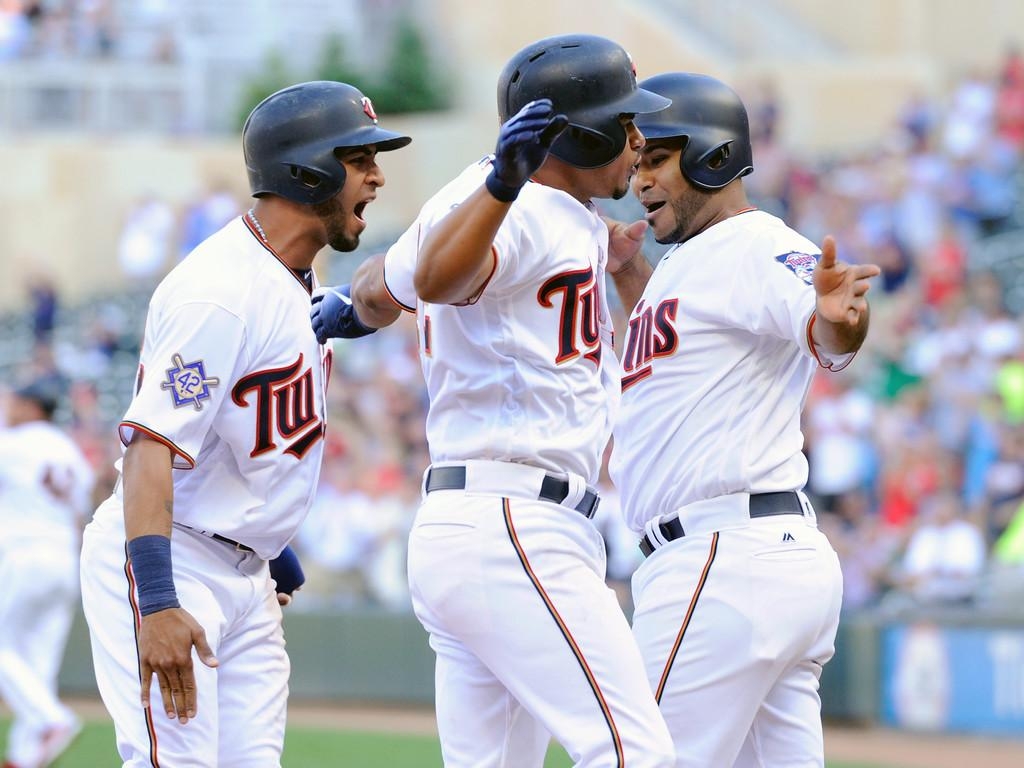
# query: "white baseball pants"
[37,604]
[735,624]
[241,703]
[529,639]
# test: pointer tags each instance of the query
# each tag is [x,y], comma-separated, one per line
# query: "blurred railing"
[105,97]
[742,30]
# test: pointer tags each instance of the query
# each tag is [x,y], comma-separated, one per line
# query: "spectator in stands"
[838,420]
[15,29]
[357,528]
[945,555]
[43,300]
[867,549]
[206,215]
[145,241]
[970,116]
[1010,100]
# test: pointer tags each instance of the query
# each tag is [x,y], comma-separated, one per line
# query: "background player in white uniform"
[224,441]
[45,489]
[737,604]
[506,568]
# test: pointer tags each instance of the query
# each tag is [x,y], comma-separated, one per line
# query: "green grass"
[310,748]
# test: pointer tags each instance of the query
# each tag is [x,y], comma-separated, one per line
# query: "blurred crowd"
[916,450]
[87,29]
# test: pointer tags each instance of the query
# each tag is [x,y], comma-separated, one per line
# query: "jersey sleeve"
[400,267]
[188,362]
[780,301]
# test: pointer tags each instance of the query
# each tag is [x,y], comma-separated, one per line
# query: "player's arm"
[371,300]
[167,633]
[455,258]
[629,268]
[840,322]
[356,309]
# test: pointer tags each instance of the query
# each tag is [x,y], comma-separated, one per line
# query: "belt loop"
[653,530]
[577,489]
[423,482]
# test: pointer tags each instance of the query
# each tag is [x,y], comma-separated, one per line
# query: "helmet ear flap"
[716,157]
[307,178]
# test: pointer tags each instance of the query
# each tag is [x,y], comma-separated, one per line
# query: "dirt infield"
[892,749]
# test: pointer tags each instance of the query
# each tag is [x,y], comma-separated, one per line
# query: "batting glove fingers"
[523,144]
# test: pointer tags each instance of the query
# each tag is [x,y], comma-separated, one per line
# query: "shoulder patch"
[800,264]
[189,383]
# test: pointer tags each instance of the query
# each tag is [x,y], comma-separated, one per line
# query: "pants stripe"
[591,680]
[137,623]
[686,619]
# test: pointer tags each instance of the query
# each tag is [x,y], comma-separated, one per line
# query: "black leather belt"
[761,505]
[551,489]
[237,545]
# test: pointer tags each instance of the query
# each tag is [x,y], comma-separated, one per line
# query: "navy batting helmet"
[290,137]
[711,118]
[589,79]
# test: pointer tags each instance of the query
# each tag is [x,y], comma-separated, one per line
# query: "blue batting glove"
[286,571]
[523,144]
[334,316]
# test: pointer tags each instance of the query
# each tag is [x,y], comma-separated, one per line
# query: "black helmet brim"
[384,141]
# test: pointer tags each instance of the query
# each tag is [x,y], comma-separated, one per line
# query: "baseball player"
[505,270]
[223,448]
[737,602]
[45,489]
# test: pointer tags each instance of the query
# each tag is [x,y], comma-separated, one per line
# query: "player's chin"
[347,240]
[620,191]
[662,226]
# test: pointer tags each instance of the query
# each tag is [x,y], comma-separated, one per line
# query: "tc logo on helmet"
[368,108]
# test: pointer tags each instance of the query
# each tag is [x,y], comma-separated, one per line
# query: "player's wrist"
[499,189]
[359,328]
[150,558]
[626,266]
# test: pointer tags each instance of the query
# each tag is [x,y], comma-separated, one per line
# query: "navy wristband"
[499,189]
[363,330]
[151,565]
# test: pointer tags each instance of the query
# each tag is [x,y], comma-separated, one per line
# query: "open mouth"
[360,208]
[654,207]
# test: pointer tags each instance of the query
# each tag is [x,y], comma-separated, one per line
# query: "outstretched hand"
[523,144]
[841,288]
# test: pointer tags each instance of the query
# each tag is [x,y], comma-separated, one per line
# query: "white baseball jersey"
[45,481]
[232,380]
[523,384]
[529,375]
[736,617]
[45,486]
[716,368]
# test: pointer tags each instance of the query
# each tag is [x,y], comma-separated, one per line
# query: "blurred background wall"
[897,125]
[106,102]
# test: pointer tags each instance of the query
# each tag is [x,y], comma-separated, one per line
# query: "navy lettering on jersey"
[579,325]
[651,334]
[285,408]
